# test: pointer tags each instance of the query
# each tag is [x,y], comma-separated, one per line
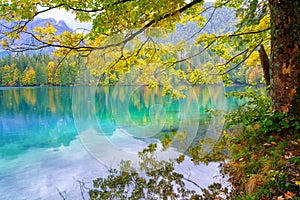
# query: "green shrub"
[257,115]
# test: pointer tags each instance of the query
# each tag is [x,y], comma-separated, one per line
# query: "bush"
[256,114]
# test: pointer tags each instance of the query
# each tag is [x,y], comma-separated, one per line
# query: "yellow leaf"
[256,126]
[297,182]
[273,143]
[280,198]
[289,195]
[3,43]
[38,37]
[295,143]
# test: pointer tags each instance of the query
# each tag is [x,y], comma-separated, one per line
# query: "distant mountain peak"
[26,39]
[43,21]
[61,26]
[61,23]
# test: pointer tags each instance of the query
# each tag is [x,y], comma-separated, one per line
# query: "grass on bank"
[264,149]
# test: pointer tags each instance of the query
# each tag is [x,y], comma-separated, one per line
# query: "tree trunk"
[265,63]
[285,56]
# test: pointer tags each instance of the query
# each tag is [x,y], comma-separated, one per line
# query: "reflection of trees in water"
[137,102]
[42,116]
[155,178]
[38,101]
[46,101]
[35,118]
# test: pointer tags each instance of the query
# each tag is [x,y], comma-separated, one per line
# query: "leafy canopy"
[117,25]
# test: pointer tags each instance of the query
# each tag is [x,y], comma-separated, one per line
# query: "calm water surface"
[53,137]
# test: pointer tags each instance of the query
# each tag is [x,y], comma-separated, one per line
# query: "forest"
[46,70]
[38,70]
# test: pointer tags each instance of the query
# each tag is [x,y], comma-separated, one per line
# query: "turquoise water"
[52,137]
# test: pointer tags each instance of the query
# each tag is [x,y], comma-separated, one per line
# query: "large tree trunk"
[285,55]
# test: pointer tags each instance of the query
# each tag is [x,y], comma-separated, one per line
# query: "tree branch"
[90,48]
[193,182]
[229,70]
[235,56]
[245,33]
[95,9]
[209,19]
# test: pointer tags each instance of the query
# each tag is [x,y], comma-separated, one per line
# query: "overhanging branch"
[241,62]
[44,44]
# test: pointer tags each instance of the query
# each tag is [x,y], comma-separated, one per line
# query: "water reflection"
[43,117]
[131,114]
[34,118]
[40,130]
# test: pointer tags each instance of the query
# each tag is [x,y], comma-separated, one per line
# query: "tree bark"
[285,56]
[265,63]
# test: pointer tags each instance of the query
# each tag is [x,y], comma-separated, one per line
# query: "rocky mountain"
[60,26]
[219,21]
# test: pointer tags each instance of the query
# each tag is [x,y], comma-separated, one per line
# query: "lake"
[52,138]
